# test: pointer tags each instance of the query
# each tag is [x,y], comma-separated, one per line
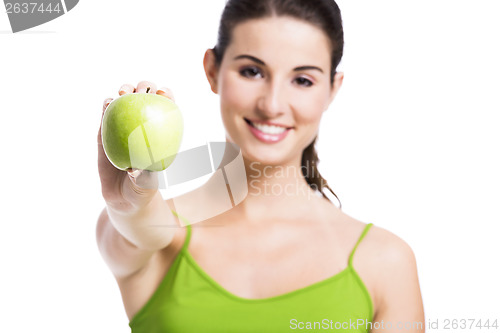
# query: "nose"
[272,102]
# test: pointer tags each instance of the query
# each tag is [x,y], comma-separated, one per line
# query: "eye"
[302,81]
[250,72]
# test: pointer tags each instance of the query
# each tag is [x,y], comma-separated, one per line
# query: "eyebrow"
[257,60]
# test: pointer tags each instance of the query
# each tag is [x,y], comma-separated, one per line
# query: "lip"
[267,138]
[270,123]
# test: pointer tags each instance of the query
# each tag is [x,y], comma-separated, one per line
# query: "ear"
[211,69]
[337,83]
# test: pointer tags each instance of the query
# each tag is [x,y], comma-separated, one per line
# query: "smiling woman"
[288,69]
[325,17]
[279,257]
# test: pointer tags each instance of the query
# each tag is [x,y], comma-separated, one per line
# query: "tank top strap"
[367,227]
[188,238]
[188,231]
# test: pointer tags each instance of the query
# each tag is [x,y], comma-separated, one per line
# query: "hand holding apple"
[142,131]
[128,187]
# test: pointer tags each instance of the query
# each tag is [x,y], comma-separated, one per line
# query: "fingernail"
[134,173]
[106,104]
[165,90]
[167,93]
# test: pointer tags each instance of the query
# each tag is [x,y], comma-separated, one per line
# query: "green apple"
[142,131]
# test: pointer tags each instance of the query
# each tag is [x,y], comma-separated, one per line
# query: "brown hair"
[325,14]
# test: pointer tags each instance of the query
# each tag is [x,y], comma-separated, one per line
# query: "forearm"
[151,227]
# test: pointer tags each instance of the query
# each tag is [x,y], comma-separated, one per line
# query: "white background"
[410,143]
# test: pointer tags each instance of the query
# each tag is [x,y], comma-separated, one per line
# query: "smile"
[267,133]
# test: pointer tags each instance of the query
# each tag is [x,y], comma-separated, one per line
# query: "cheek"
[235,96]
[311,108]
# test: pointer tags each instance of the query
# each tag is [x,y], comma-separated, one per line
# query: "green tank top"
[188,300]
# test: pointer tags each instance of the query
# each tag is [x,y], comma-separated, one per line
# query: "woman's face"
[275,70]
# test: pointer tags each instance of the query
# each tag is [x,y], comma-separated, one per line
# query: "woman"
[274,263]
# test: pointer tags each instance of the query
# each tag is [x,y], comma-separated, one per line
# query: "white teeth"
[269,129]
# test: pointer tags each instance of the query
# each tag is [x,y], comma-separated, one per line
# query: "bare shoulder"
[387,249]
[379,246]
[387,265]
[385,256]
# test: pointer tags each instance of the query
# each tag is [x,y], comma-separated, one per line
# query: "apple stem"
[147,90]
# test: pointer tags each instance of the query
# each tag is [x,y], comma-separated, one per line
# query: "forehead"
[280,41]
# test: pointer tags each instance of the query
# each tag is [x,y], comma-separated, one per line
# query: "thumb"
[140,187]
[144,179]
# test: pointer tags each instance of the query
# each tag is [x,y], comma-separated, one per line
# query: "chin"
[265,155]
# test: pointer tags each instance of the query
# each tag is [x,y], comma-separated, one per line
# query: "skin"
[295,233]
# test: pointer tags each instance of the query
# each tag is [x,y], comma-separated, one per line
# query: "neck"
[274,191]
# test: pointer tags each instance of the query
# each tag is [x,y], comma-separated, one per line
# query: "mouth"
[272,129]
[269,133]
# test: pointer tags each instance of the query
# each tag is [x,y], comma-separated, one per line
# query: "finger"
[126,89]
[134,173]
[143,86]
[105,104]
[145,179]
[166,92]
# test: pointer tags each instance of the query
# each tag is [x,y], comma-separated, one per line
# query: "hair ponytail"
[309,167]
